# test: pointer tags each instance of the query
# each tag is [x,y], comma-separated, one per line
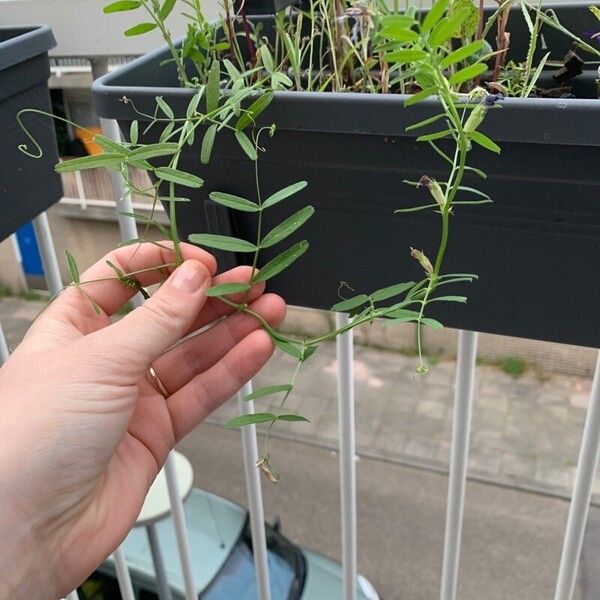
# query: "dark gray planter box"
[27,186]
[535,249]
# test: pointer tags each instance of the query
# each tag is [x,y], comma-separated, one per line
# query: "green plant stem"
[375,314]
[154,12]
[130,274]
[260,216]
[280,407]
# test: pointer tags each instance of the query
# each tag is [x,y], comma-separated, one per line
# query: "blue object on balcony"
[30,252]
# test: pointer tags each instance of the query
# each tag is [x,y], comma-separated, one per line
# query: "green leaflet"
[432,323]
[194,102]
[227,288]
[405,56]
[281,262]
[177,176]
[133,132]
[476,171]
[292,418]
[267,59]
[467,74]
[251,113]
[246,145]
[435,136]
[419,96]
[292,51]
[109,145]
[469,24]
[212,87]
[448,27]
[425,122]
[166,8]
[165,107]
[479,193]
[399,34]
[222,242]
[139,29]
[434,15]
[308,352]
[121,6]
[251,419]
[232,71]
[207,144]
[268,391]
[167,132]
[73,269]
[236,202]
[416,208]
[287,227]
[391,291]
[107,159]
[402,313]
[280,80]
[291,349]
[350,303]
[461,299]
[484,141]
[284,193]
[462,53]
[154,150]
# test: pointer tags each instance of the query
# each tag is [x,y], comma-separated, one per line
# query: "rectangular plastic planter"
[27,186]
[535,249]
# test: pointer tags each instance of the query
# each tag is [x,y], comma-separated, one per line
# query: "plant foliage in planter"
[394,111]
[26,188]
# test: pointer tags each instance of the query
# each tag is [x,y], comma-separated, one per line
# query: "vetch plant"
[233,73]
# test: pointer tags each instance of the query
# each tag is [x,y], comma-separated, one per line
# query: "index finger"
[147,262]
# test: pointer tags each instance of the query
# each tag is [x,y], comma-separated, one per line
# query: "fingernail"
[189,277]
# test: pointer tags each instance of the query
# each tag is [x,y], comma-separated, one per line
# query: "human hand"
[83,429]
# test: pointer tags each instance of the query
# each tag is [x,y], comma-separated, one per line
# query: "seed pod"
[434,189]
[475,118]
[423,260]
[263,464]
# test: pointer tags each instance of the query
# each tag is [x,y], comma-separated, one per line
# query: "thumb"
[145,333]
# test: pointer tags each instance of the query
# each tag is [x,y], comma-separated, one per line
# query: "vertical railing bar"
[587,466]
[110,128]
[461,426]
[48,253]
[179,522]
[255,500]
[4,351]
[17,251]
[162,584]
[347,441]
[123,576]
[80,189]
[127,225]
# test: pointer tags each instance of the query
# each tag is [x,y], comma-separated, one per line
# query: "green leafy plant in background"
[513,366]
[363,46]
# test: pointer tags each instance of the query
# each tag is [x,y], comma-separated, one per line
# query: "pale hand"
[83,428]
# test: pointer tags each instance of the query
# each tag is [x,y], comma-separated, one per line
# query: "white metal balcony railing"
[463,399]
